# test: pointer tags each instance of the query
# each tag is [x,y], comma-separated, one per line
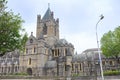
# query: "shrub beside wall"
[110,73]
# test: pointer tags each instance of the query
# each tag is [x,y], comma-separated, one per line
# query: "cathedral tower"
[48,26]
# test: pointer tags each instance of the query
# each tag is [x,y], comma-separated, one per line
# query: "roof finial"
[48,5]
[31,33]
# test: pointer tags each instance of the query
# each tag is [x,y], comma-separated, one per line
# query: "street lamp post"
[101,17]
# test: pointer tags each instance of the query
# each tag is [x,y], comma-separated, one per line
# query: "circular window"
[31,40]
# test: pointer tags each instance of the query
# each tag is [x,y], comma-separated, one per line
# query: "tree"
[10,28]
[110,43]
[2,5]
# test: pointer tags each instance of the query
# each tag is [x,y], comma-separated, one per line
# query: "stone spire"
[48,5]
[48,15]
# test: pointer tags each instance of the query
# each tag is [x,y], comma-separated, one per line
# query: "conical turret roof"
[47,15]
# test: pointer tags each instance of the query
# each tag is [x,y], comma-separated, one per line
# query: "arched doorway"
[29,71]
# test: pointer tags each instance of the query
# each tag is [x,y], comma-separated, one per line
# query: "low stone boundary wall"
[31,77]
[111,77]
[84,78]
[16,77]
[96,78]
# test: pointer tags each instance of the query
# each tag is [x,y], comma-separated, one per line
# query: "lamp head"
[101,17]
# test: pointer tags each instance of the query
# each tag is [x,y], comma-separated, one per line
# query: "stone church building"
[47,54]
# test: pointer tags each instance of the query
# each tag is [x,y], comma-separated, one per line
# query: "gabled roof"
[63,42]
[31,38]
[47,15]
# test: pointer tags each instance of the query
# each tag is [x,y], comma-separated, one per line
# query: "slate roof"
[51,64]
[78,57]
[10,58]
[90,50]
[89,54]
[31,37]
[63,42]
[47,15]
[93,53]
[69,52]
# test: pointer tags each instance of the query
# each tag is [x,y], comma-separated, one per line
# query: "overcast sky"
[77,18]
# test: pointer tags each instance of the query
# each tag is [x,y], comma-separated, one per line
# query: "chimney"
[38,18]
[52,14]
[57,20]
[31,33]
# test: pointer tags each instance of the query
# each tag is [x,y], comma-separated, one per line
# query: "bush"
[21,74]
[110,73]
[76,75]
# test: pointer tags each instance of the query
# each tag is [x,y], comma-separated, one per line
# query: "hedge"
[110,73]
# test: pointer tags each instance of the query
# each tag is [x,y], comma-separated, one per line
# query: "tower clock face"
[31,40]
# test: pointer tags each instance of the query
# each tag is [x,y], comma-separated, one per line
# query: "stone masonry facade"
[48,55]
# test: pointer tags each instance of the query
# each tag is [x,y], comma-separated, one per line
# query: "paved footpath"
[112,79]
[48,79]
[26,79]
[52,79]
[109,79]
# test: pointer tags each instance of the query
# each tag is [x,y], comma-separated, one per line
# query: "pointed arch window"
[29,62]
[2,69]
[26,50]
[45,29]
[34,49]
[58,53]
[72,67]
[65,51]
[52,53]
[80,67]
